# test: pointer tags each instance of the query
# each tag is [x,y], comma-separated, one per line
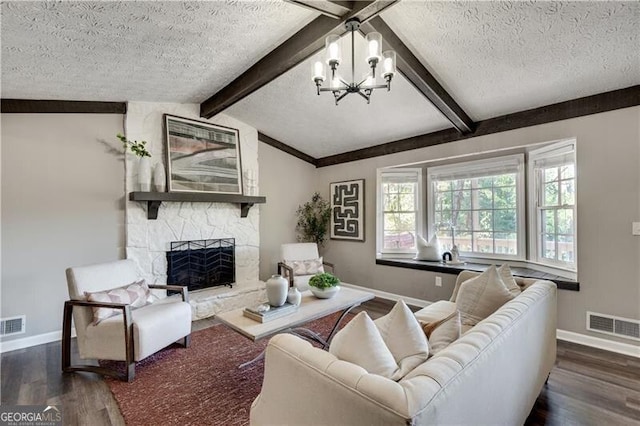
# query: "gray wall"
[608,199]
[62,189]
[287,182]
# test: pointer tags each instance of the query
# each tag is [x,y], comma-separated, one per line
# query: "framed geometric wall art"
[347,210]
[202,157]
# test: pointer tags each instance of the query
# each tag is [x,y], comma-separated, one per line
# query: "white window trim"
[472,166]
[380,250]
[561,268]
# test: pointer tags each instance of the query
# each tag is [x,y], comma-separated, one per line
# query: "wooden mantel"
[155,199]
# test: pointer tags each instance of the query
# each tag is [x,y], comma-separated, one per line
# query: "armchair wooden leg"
[66,336]
[186,341]
[131,371]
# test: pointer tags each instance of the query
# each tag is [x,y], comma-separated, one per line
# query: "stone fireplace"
[148,241]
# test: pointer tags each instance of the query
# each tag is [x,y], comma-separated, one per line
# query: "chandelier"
[364,88]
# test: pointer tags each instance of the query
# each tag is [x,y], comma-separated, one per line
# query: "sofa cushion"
[361,343]
[136,295]
[405,339]
[507,278]
[481,296]
[436,311]
[306,267]
[443,332]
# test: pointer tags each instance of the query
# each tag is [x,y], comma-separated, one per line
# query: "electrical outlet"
[635,228]
[438,281]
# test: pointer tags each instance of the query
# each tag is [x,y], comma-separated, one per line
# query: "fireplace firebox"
[202,264]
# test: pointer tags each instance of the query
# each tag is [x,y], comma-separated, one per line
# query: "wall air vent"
[615,326]
[13,325]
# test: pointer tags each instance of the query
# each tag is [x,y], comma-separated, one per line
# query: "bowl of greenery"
[324,285]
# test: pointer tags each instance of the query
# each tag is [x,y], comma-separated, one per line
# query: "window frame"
[517,161]
[548,152]
[419,212]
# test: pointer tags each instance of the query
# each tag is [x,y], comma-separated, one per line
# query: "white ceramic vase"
[144,174]
[159,178]
[277,287]
[324,293]
[294,296]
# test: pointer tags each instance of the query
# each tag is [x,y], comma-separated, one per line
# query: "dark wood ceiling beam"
[293,51]
[38,106]
[413,70]
[603,102]
[286,148]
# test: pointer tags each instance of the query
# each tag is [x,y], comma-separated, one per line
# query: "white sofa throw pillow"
[391,346]
[404,337]
[428,250]
[481,296]
[360,343]
[507,278]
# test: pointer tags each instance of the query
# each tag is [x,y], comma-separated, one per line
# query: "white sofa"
[491,375]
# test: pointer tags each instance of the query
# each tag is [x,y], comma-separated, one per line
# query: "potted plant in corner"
[144,164]
[324,285]
[313,220]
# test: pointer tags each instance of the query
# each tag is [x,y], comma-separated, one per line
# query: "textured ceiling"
[146,51]
[501,57]
[289,110]
[493,57]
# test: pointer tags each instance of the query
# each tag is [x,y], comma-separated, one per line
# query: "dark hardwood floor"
[587,386]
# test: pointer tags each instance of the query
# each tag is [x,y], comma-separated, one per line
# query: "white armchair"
[130,336]
[296,252]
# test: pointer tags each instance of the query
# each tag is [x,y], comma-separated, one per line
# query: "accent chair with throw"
[301,261]
[117,317]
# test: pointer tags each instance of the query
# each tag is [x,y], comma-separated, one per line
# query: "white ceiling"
[499,57]
[493,58]
[163,51]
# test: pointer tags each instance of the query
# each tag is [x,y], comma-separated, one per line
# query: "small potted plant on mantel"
[324,285]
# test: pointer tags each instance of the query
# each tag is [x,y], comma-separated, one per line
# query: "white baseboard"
[597,342]
[27,342]
[391,296]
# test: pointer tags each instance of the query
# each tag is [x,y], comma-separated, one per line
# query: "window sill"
[423,265]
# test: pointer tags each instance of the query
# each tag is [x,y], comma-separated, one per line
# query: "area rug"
[202,384]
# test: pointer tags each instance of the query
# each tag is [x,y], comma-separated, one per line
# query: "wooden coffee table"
[311,308]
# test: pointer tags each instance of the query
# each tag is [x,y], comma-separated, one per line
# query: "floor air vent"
[13,325]
[616,326]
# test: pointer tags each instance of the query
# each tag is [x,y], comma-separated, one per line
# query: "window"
[553,171]
[478,205]
[399,212]
[485,209]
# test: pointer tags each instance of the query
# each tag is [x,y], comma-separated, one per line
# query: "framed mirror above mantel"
[155,199]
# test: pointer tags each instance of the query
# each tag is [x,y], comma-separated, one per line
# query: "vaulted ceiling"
[493,58]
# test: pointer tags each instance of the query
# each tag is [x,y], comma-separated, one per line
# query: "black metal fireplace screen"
[201,264]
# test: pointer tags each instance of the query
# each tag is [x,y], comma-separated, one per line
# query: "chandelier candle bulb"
[318,72]
[389,63]
[332,44]
[374,41]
